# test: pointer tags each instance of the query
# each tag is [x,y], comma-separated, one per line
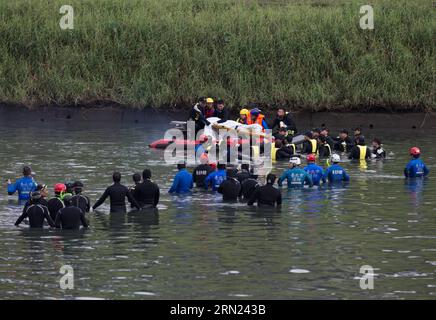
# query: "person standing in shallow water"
[266,195]
[416,168]
[117,194]
[182,182]
[37,212]
[147,192]
[24,185]
[70,217]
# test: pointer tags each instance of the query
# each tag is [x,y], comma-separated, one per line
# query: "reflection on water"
[195,246]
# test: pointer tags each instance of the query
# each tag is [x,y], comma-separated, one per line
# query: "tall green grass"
[306,54]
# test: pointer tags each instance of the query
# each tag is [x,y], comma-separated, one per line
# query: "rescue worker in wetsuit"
[197,115]
[78,199]
[416,167]
[284,120]
[215,178]
[315,171]
[335,173]
[377,150]
[43,190]
[343,142]
[283,135]
[221,111]
[310,144]
[248,187]
[230,188]
[70,217]
[324,148]
[244,173]
[70,189]
[147,192]
[117,194]
[209,109]
[201,172]
[24,185]
[360,151]
[325,132]
[243,116]
[358,134]
[182,182]
[36,212]
[295,176]
[136,177]
[56,203]
[256,117]
[266,195]
[283,152]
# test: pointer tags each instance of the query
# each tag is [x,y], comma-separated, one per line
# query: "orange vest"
[258,121]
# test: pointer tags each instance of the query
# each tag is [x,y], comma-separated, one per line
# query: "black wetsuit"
[222,114]
[36,212]
[70,218]
[147,193]
[54,205]
[198,117]
[286,139]
[117,194]
[343,147]
[248,187]
[230,189]
[324,151]
[242,176]
[200,173]
[82,202]
[284,153]
[266,195]
[134,192]
[355,153]
[379,153]
[42,201]
[288,121]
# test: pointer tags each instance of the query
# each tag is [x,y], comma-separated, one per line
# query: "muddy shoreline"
[106,115]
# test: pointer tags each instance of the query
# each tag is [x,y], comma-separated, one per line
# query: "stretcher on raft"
[245,134]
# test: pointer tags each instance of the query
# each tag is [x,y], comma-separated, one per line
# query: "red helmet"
[213,165]
[415,151]
[311,157]
[60,187]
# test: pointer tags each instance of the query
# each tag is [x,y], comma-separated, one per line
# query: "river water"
[197,247]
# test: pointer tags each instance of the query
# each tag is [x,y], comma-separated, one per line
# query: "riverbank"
[308,55]
[113,115]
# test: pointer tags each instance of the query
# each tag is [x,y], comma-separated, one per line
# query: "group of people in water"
[317,140]
[68,207]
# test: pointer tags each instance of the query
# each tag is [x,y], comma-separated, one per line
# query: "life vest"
[314,144]
[362,155]
[328,147]
[258,120]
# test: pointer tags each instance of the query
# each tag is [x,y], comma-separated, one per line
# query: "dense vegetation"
[308,54]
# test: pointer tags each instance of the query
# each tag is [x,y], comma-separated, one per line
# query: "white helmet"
[295,161]
[335,157]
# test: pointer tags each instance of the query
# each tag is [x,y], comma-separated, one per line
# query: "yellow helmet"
[209,100]
[245,112]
